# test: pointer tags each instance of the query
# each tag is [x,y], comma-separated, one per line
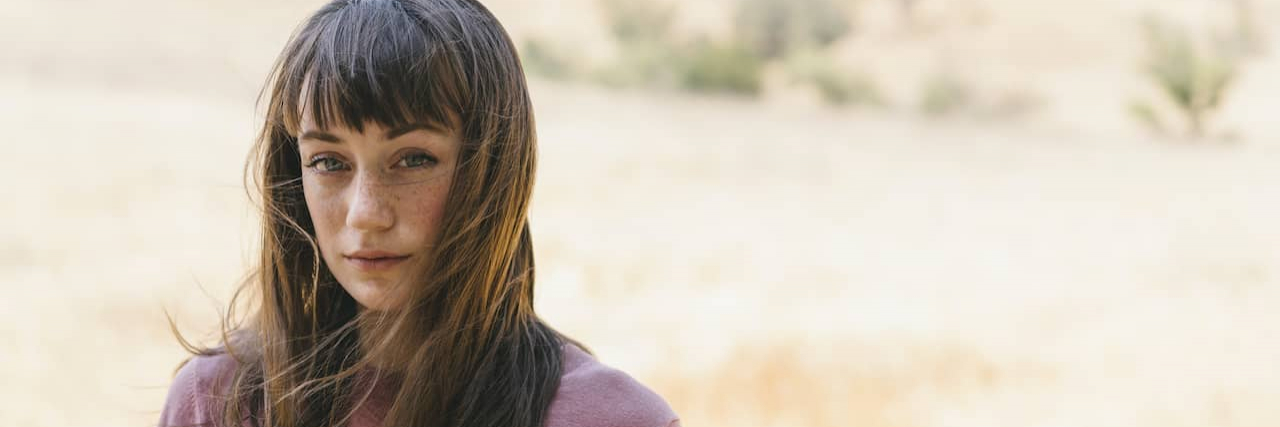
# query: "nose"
[370,208]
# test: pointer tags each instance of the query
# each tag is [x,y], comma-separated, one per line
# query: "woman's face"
[376,199]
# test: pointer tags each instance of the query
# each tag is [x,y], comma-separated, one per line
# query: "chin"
[370,297]
[375,302]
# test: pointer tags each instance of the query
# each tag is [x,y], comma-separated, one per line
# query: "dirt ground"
[758,263]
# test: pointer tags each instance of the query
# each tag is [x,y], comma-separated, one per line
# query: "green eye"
[417,160]
[326,164]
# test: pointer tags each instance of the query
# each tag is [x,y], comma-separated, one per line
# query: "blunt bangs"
[371,61]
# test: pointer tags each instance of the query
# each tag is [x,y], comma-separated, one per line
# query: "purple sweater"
[590,394]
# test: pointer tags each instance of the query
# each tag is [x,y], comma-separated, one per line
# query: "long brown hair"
[476,353]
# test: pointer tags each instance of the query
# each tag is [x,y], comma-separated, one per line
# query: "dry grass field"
[758,263]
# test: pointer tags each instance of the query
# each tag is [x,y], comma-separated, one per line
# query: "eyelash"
[317,160]
[428,161]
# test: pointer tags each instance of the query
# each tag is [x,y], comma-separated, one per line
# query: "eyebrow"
[320,135]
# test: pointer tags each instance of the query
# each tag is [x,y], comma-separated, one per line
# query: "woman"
[395,284]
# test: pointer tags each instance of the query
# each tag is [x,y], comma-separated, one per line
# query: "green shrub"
[773,28]
[1146,114]
[640,65]
[1194,78]
[719,67]
[943,94]
[836,85]
[646,53]
[650,56]
[642,22]
[548,60]
[848,89]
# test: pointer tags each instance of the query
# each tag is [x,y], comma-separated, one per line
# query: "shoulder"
[593,394]
[198,390]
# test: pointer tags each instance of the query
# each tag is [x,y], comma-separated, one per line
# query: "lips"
[370,260]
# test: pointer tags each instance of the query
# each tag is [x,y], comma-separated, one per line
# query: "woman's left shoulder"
[593,394]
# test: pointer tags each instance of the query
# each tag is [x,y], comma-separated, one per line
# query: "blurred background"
[774,213]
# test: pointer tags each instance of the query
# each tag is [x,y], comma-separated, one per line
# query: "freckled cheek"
[327,210]
[424,206]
